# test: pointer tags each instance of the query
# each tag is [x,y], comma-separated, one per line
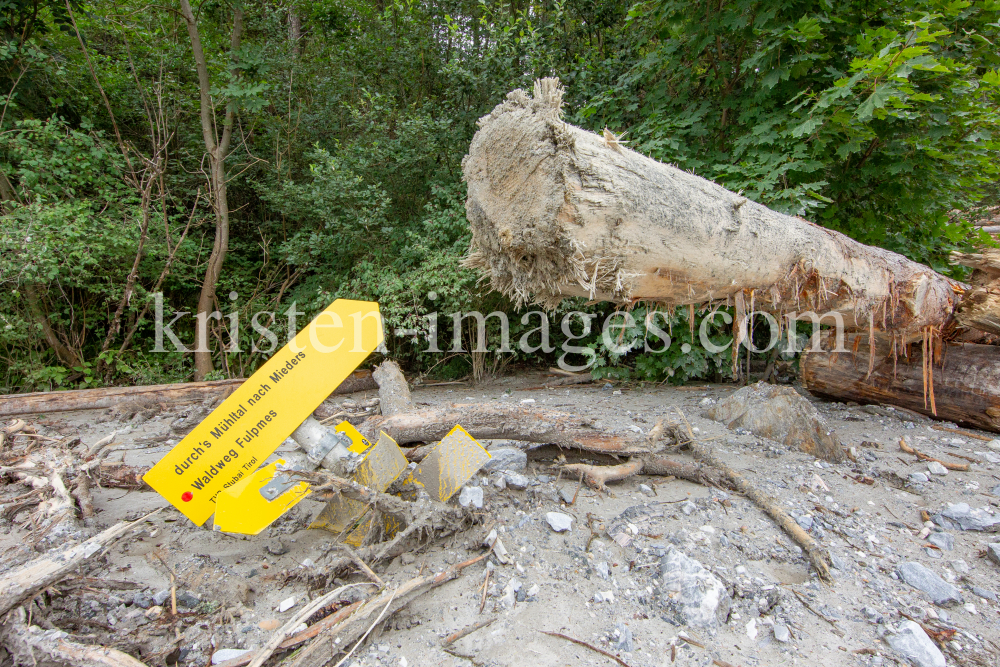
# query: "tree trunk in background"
[557,211]
[294,30]
[217,148]
[66,356]
[962,384]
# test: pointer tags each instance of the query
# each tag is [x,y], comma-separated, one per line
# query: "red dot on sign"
[187,496]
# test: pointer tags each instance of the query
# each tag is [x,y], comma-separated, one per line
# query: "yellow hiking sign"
[238,435]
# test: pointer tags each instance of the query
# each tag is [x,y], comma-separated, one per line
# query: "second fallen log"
[962,384]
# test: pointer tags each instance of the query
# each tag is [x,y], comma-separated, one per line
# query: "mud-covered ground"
[581,583]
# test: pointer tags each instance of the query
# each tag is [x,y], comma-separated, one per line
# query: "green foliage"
[879,120]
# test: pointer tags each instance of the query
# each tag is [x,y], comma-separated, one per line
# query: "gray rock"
[993,552]
[567,494]
[971,519]
[161,596]
[647,490]
[944,541]
[918,478]
[914,644]
[933,553]
[960,566]
[936,468]
[142,599]
[509,597]
[994,444]
[606,596]
[187,599]
[781,414]
[781,633]
[625,642]
[805,521]
[941,592]
[984,593]
[696,595]
[995,490]
[471,495]
[515,480]
[602,569]
[873,615]
[224,654]
[506,458]
[558,521]
[276,547]
[689,508]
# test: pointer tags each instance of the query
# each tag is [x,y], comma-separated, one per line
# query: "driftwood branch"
[31,645]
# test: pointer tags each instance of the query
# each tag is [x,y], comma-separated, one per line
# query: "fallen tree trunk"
[31,646]
[107,397]
[962,384]
[558,211]
[504,422]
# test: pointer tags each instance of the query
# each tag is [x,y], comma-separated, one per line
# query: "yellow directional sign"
[383,463]
[238,435]
[243,509]
[451,464]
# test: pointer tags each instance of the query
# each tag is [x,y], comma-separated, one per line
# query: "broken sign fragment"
[451,464]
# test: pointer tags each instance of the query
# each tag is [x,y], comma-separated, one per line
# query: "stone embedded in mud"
[225,654]
[936,468]
[471,495]
[993,552]
[696,595]
[941,592]
[971,519]
[558,521]
[506,458]
[913,643]
[943,541]
[781,414]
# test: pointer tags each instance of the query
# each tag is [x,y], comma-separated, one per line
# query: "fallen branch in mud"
[347,631]
[712,472]
[25,581]
[960,467]
[586,645]
[504,422]
[31,645]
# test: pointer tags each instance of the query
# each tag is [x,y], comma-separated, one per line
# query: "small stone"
[142,599]
[941,592]
[985,594]
[994,444]
[647,490]
[919,478]
[625,641]
[286,604]
[993,552]
[506,458]
[741,570]
[471,495]
[500,482]
[971,519]
[276,547]
[695,594]
[154,612]
[689,508]
[971,608]
[944,541]
[805,521]
[558,521]
[602,569]
[187,599]
[269,625]
[936,468]
[606,596]
[224,654]
[160,597]
[782,634]
[515,480]
[914,644]
[960,566]
[567,494]
[533,591]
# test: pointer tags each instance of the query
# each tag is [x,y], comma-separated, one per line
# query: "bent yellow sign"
[248,426]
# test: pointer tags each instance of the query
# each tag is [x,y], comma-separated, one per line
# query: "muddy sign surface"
[248,426]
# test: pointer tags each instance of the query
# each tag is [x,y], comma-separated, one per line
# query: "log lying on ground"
[557,211]
[30,646]
[963,383]
[107,397]
[506,422]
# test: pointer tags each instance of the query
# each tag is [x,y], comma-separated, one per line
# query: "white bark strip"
[557,211]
